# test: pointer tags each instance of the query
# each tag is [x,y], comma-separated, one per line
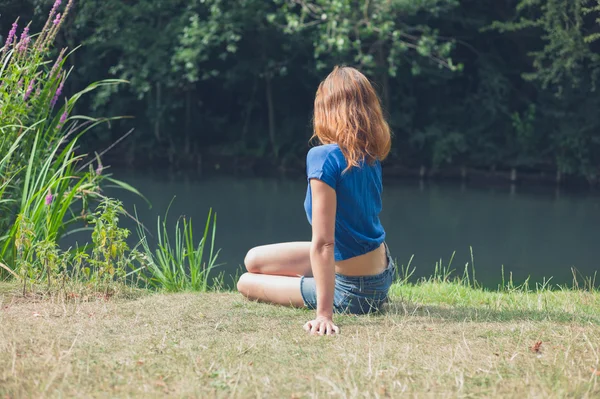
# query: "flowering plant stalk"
[42,181]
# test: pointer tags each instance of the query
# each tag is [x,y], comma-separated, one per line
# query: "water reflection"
[541,233]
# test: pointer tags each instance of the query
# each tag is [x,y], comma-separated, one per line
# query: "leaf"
[536,348]
[3,266]
[129,188]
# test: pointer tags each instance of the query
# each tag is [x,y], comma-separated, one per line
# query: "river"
[540,233]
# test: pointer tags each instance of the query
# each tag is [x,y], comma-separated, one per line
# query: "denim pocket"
[360,295]
[340,297]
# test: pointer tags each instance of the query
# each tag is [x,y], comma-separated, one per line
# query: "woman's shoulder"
[324,149]
[321,152]
[326,157]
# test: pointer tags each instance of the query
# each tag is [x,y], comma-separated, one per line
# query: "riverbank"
[437,339]
[209,164]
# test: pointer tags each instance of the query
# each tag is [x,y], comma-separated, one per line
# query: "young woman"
[347,266]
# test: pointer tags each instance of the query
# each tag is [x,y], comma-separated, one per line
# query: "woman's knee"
[243,285]
[252,260]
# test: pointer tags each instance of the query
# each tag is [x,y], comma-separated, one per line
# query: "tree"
[378,36]
[567,31]
[567,69]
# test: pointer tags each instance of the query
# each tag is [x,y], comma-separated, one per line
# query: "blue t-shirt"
[358,229]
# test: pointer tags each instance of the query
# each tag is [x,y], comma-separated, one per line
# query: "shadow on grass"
[400,309]
[460,314]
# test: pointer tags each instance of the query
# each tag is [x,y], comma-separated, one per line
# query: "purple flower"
[57,94]
[11,35]
[56,64]
[99,169]
[25,39]
[49,198]
[55,7]
[20,83]
[57,19]
[63,119]
[29,90]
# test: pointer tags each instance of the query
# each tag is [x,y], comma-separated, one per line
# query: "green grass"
[436,339]
[180,264]
[558,305]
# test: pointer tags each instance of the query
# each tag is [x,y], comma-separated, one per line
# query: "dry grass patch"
[218,345]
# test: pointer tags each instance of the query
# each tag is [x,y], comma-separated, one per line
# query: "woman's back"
[358,229]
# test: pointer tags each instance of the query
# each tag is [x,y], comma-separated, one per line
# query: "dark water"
[538,234]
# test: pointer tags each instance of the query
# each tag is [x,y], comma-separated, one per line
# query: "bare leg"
[274,272]
[281,290]
[285,259]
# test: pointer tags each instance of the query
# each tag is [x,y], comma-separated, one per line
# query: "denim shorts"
[354,294]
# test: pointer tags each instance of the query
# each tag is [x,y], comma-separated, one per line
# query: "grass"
[180,264]
[436,339]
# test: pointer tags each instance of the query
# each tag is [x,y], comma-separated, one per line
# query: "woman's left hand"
[321,326]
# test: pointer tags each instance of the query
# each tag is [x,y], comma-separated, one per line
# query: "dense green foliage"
[466,83]
[49,189]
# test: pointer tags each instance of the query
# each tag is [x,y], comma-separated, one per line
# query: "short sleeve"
[320,165]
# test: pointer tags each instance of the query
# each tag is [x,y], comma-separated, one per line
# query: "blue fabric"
[355,295]
[358,229]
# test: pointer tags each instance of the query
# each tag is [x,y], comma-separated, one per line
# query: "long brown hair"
[348,113]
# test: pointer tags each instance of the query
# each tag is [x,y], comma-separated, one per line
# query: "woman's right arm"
[322,256]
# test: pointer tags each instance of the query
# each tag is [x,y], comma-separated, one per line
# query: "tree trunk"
[386,92]
[385,78]
[271,112]
[157,113]
[249,110]
[188,122]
